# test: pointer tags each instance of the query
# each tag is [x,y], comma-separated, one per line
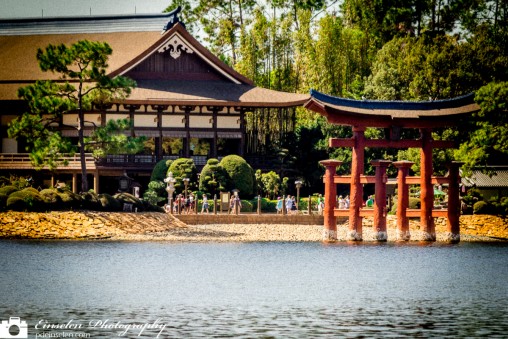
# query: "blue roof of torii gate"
[379,113]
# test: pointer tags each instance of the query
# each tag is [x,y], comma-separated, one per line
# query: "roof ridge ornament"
[175,45]
[173,19]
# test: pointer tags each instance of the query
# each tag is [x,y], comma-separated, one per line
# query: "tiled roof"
[133,39]
[396,109]
[211,93]
[85,24]
[479,179]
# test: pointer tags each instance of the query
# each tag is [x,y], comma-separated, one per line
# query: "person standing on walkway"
[205,204]
[279,205]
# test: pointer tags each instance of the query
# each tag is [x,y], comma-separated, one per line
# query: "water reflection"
[281,290]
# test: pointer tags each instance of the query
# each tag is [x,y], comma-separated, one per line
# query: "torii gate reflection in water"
[392,115]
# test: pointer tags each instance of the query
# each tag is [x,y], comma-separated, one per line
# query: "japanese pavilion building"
[185,97]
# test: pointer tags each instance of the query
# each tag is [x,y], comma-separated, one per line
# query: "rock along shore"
[87,225]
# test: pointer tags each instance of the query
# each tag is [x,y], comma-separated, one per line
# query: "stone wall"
[207,219]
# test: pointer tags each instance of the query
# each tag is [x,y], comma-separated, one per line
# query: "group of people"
[184,205]
[290,204]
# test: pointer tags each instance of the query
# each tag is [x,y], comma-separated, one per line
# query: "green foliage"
[271,184]
[155,193]
[487,140]
[240,173]
[7,190]
[184,168]
[82,69]
[27,199]
[110,139]
[483,207]
[247,206]
[51,197]
[90,201]
[127,198]
[109,203]
[267,205]
[213,178]
[160,170]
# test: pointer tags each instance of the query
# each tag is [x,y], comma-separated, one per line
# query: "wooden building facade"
[187,102]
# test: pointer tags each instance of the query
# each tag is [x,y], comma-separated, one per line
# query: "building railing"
[22,161]
[145,161]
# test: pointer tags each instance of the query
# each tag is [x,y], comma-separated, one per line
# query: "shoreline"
[151,226]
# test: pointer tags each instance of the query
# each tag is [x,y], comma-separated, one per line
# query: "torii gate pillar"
[453,222]
[426,187]
[403,232]
[380,199]
[356,191]
[330,221]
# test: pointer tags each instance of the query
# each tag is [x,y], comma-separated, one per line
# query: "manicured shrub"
[247,206]
[160,170]
[184,168]
[241,174]
[7,190]
[27,199]
[414,203]
[51,197]
[127,198]
[483,207]
[69,199]
[213,178]
[91,201]
[110,204]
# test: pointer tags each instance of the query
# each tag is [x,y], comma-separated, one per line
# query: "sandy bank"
[85,225]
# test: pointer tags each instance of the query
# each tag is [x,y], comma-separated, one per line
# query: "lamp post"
[298,184]
[170,188]
[186,183]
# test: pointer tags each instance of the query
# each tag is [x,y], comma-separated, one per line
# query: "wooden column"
[187,133]
[330,221]
[426,188]
[357,169]
[453,222]
[403,232]
[215,135]
[74,183]
[379,226]
[96,182]
[242,130]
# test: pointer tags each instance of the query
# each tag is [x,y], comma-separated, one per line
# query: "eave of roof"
[499,179]
[211,93]
[376,113]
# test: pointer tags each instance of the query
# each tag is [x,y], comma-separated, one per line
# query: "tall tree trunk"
[81,140]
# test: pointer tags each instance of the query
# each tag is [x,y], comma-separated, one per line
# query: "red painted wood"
[426,187]
[330,221]
[453,224]
[380,198]
[403,199]
[356,191]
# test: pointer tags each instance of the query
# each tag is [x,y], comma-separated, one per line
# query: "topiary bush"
[483,207]
[110,204]
[240,173]
[247,206]
[213,178]
[51,198]
[69,199]
[90,201]
[127,198]
[184,168]
[7,190]
[160,170]
[414,203]
[27,199]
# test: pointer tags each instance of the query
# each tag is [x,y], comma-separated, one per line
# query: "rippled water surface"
[255,290]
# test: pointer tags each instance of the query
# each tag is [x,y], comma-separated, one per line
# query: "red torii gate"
[391,115]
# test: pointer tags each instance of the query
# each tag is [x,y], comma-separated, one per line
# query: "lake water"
[254,290]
